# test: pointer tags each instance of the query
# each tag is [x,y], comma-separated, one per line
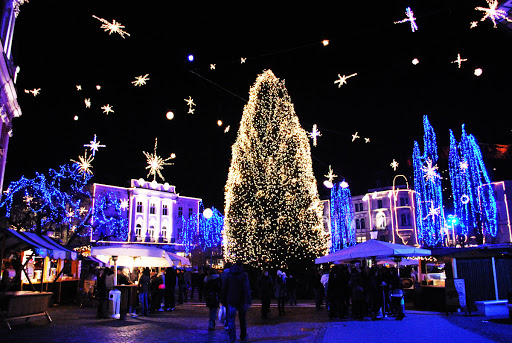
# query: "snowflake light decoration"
[124,204]
[84,164]
[314,134]
[367,140]
[394,164]
[114,27]
[140,80]
[355,136]
[433,212]
[330,175]
[242,60]
[492,12]
[35,91]
[190,103]
[107,109]
[343,79]
[78,87]
[459,60]
[156,163]
[410,18]
[464,165]
[212,66]
[430,171]
[87,102]
[94,145]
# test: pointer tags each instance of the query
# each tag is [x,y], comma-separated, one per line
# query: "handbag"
[221,314]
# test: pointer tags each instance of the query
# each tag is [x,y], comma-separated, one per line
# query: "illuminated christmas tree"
[273,215]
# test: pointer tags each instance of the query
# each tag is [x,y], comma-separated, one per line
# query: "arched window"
[151,231]
[164,232]
[363,224]
[358,225]
[138,230]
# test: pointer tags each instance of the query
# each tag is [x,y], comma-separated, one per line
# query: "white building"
[155,212]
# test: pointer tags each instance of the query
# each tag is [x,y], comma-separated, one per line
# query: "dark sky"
[59,45]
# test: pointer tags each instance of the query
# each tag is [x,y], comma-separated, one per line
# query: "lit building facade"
[503,195]
[9,107]
[155,213]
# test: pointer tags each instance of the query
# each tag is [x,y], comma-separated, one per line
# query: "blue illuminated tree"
[427,184]
[108,218]
[342,233]
[473,197]
[58,201]
[210,230]
[189,233]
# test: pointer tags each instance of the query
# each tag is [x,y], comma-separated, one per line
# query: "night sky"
[59,45]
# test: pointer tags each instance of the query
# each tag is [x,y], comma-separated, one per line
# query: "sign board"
[455,291]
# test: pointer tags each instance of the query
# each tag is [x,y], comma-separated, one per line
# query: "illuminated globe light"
[173,155]
[344,184]
[141,182]
[325,42]
[166,186]
[219,122]
[415,61]
[328,184]
[154,184]
[207,213]
[169,115]
[190,58]
[464,199]
[98,87]
[75,118]
[478,71]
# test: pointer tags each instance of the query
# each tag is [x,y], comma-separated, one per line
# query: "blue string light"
[342,233]
[108,220]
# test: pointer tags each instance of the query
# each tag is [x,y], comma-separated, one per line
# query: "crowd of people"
[344,291]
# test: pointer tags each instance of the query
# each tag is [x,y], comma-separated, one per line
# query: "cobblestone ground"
[188,323]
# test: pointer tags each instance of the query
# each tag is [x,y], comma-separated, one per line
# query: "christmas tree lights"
[342,233]
[108,220]
[273,215]
[427,184]
[210,229]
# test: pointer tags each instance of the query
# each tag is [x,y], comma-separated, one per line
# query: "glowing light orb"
[141,182]
[190,58]
[169,115]
[325,42]
[415,61]
[219,122]
[173,155]
[207,213]
[75,118]
[478,71]
[98,87]
[328,184]
[344,184]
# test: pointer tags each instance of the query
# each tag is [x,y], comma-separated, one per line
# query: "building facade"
[9,107]
[154,212]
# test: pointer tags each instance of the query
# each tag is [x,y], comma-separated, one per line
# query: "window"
[180,212]
[402,201]
[164,210]
[403,218]
[139,206]
[361,239]
[138,230]
[362,224]
[164,232]
[151,231]
[361,207]
[190,212]
[152,209]
[358,225]
[379,203]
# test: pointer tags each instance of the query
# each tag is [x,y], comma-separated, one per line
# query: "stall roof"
[18,241]
[484,250]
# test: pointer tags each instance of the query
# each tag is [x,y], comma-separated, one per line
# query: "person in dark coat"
[223,278]
[143,288]
[396,289]
[265,285]
[291,289]
[236,294]
[336,293]
[170,287]
[212,289]
[156,286]
[181,286]
[318,289]
[280,291]
[101,294]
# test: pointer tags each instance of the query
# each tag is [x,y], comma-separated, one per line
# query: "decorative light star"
[124,204]
[430,171]
[226,130]
[27,199]
[190,101]
[35,91]
[330,175]
[212,66]
[82,211]
[433,212]
[84,164]
[410,18]
[394,164]
[492,13]
[94,145]
[314,134]
[140,80]
[459,60]
[367,140]
[242,60]
[464,165]
[107,109]
[343,79]
[355,136]
[156,163]
[87,102]
[78,87]
[114,27]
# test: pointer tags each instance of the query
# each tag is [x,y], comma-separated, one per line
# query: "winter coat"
[236,290]
[212,290]
[144,284]
[265,286]
[280,287]
[170,278]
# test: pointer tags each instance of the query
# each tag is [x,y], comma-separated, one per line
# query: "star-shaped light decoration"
[314,134]
[212,66]
[107,109]
[492,13]
[114,27]
[140,80]
[459,60]
[78,87]
[82,211]
[430,171]
[87,102]
[156,163]
[394,164]
[124,204]
[70,214]
[464,165]
[330,175]
[409,18]
[35,91]
[94,145]
[84,164]
[367,140]
[27,199]
[242,60]
[343,79]
[190,103]
[226,130]
[355,136]
[433,212]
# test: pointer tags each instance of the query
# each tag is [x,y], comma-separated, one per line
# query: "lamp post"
[114,258]
[452,219]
